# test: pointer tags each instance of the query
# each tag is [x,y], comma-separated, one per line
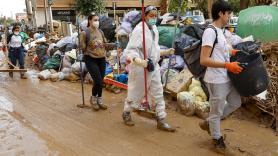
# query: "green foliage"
[174,5]
[85,7]
[9,21]
[235,6]
[203,6]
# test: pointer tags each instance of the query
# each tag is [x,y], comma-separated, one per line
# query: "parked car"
[233,21]
[232,25]
[198,19]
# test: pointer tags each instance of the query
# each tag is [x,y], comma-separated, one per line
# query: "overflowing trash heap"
[269,105]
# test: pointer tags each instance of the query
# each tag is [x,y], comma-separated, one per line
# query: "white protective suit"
[136,73]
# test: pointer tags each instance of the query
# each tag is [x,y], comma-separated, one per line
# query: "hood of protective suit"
[135,45]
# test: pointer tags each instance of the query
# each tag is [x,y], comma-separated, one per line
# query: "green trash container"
[259,21]
[166,34]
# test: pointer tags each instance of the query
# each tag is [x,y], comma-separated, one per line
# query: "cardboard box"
[180,83]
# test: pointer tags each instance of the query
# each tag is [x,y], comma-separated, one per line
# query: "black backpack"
[192,50]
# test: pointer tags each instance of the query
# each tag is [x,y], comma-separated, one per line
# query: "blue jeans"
[17,55]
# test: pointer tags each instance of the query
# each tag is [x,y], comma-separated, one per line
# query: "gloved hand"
[150,66]
[233,67]
[138,62]
[167,52]
[234,52]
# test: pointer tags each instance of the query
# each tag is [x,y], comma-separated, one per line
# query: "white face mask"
[16,32]
[96,24]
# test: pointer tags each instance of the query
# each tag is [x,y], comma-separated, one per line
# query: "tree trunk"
[209,8]
[244,4]
[163,6]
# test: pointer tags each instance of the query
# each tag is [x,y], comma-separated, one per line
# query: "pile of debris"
[269,105]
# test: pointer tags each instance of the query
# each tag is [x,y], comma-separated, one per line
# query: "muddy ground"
[41,118]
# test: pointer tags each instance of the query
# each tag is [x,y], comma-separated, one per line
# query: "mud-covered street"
[41,118]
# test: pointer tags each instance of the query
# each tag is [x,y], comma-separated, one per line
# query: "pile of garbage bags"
[193,100]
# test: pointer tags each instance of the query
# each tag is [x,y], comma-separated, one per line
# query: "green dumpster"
[259,21]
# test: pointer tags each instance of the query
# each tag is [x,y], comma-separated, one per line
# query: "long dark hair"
[90,17]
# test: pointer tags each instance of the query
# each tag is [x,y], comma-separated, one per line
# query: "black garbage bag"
[248,46]
[183,42]
[194,30]
[253,79]
[70,46]
[107,26]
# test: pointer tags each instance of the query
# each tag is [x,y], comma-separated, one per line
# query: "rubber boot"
[94,104]
[163,125]
[100,103]
[127,119]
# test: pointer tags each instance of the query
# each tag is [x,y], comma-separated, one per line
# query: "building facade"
[64,10]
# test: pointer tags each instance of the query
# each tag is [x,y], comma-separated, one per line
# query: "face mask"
[152,21]
[96,24]
[16,33]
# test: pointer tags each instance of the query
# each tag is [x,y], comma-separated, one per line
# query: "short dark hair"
[219,6]
[90,17]
[15,27]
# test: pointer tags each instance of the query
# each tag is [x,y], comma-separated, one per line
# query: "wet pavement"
[17,138]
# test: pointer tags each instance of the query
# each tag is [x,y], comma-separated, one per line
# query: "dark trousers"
[96,68]
[17,55]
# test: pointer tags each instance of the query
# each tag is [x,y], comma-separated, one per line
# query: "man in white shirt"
[217,61]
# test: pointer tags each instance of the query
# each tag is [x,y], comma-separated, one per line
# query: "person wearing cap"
[137,64]
[16,50]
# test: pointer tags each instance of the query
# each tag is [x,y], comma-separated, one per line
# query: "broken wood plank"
[13,70]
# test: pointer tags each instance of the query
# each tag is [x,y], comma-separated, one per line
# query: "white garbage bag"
[44,75]
[186,103]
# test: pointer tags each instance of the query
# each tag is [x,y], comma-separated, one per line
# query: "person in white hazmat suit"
[135,57]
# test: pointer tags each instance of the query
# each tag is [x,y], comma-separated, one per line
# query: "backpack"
[192,52]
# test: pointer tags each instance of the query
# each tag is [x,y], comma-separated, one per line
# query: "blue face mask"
[152,21]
